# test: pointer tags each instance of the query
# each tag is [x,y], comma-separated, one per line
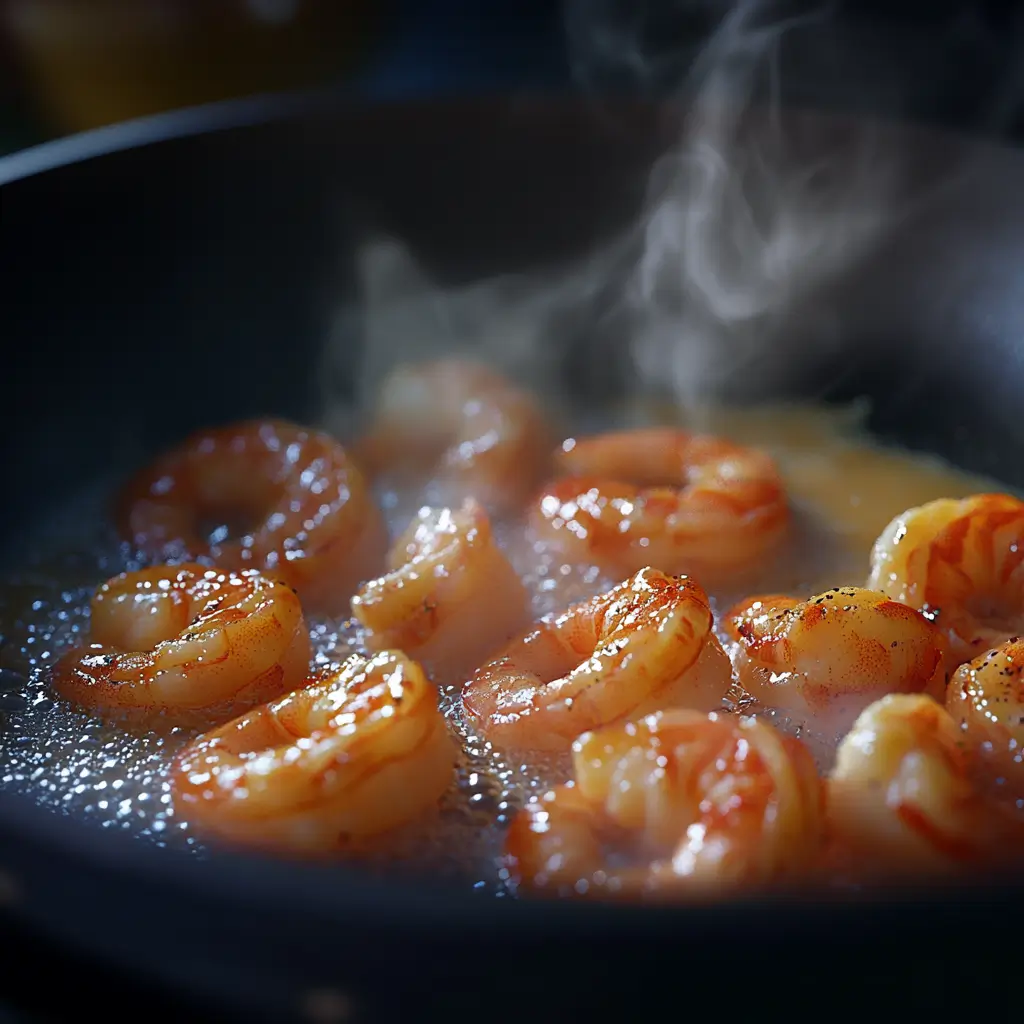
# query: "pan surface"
[162,287]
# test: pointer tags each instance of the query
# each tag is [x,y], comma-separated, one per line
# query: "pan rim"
[274,107]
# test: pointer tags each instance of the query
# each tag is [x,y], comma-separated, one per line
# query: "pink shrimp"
[700,803]
[961,562]
[355,753]
[451,597]
[181,641]
[682,502]
[986,699]
[461,426]
[827,658]
[262,494]
[901,799]
[643,644]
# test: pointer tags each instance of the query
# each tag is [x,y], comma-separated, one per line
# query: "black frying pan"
[155,288]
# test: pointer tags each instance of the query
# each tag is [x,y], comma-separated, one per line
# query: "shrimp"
[986,699]
[359,751]
[901,795]
[187,641]
[451,598]
[261,494]
[461,426]
[684,502]
[704,802]
[645,643]
[828,658]
[961,562]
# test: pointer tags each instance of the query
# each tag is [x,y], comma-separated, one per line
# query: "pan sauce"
[844,490]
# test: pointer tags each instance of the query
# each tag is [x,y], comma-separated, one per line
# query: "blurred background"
[71,65]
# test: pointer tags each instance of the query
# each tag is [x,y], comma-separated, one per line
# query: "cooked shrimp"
[959,562]
[704,802]
[462,427]
[986,699]
[645,643]
[262,494]
[185,640]
[683,502]
[901,796]
[359,751]
[451,597]
[828,658]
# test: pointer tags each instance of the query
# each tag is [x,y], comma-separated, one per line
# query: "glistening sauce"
[844,490]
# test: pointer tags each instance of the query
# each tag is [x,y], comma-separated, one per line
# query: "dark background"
[67,66]
[957,64]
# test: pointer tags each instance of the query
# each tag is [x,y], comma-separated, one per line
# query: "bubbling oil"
[843,487]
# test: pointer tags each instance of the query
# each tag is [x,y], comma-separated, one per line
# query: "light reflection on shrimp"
[704,803]
[184,640]
[825,659]
[901,798]
[358,752]
[986,699]
[962,564]
[682,502]
[450,599]
[645,643]
[261,494]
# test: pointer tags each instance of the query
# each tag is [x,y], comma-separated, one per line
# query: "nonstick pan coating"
[160,287]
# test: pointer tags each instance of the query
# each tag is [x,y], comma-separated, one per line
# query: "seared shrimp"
[645,643]
[704,802]
[683,502]
[461,427]
[186,640]
[959,562]
[451,597]
[829,657]
[901,795]
[360,751]
[986,699]
[262,494]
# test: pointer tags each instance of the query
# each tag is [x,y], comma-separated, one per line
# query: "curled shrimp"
[647,642]
[186,640]
[901,794]
[961,562]
[986,699]
[261,494]
[359,751]
[703,802]
[684,502]
[451,597]
[462,427]
[827,658]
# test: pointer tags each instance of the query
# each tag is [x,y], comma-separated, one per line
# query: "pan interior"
[194,282]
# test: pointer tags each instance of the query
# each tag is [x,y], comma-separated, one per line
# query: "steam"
[743,232]
[721,290]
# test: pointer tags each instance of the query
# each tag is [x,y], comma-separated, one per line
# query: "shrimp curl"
[705,804]
[827,658]
[461,427]
[450,599]
[961,562]
[183,641]
[358,752]
[261,494]
[644,644]
[684,502]
[901,797]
